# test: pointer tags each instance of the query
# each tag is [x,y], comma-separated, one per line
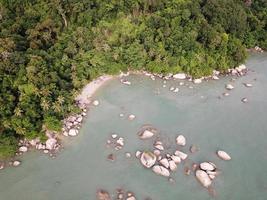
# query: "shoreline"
[72,123]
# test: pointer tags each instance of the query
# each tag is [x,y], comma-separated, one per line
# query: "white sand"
[84,98]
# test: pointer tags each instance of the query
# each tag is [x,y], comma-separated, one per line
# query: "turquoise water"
[205,120]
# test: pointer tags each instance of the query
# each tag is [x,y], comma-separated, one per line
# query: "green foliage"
[8,146]
[49,49]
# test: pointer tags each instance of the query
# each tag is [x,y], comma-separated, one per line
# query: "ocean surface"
[203,115]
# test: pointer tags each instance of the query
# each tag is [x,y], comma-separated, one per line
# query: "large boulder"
[146,134]
[160,170]
[180,140]
[203,178]
[223,155]
[50,143]
[207,166]
[148,159]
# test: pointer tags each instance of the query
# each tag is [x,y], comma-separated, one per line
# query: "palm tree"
[60,99]
[17,112]
[45,104]
[56,107]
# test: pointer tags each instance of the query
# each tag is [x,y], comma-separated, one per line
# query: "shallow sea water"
[205,120]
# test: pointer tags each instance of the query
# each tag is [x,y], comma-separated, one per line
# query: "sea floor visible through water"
[199,114]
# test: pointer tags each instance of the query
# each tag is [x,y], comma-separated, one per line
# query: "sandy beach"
[84,98]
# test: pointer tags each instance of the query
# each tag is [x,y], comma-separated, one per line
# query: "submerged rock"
[223,155]
[194,148]
[148,159]
[103,195]
[180,140]
[160,170]
[203,178]
[146,134]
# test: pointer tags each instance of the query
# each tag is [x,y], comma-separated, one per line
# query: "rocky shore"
[72,124]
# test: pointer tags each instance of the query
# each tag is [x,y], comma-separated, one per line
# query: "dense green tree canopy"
[49,49]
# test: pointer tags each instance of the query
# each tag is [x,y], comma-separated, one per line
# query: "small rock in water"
[95,102]
[111,157]
[128,155]
[180,140]
[244,100]
[138,154]
[176,90]
[173,165]
[23,149]
[207,166]
[226,94]
[248,84]
[223,155]
[176,159]
[181,154]
[16,163]
[120,141]
[146,134]
[229,87]
[165,162]
[158,145]
[121,115]
[131,117]
[172,88]
[160,170]
[114,136]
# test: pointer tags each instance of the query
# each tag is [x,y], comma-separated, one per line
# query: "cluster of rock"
[164,164]
[116,143]
[256,49]
[241,70]
[120,195]
[206,173]
[72,124]
[161,164]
